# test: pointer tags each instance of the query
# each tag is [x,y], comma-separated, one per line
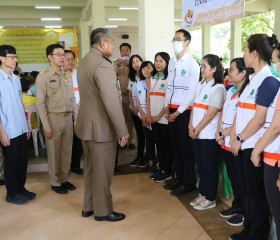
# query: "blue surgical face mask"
[274,71]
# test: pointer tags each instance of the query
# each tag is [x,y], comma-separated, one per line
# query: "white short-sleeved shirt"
[12,115]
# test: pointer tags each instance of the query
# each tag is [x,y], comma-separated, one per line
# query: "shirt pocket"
[53,88]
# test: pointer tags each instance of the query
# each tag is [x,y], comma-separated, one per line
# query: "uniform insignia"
[43,71]
[52,80]
[183,72]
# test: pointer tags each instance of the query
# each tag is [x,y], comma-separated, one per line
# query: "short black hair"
[6,49]
[186,34]
[145,64]
[125,45]
[97,34]
[69,51]
[34,74]
[50,48]
[25,85]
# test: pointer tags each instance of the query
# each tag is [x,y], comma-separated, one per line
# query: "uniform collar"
[162,76]
[97,51]
[6,76]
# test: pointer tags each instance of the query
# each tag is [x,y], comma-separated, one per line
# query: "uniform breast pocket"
[53,88]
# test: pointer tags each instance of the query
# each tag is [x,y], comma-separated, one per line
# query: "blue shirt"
[12,115]
[267,91]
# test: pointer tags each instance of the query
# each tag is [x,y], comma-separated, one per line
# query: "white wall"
[133,39]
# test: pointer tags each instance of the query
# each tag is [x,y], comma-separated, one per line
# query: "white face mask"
[178,47]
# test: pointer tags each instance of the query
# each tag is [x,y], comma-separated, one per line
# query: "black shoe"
[87,213]
[236,220]
[78,171]
[244,235]
[172,184]
[17,199]
[229,212]
[142,163]
[113,217]
[59,189]
[131,146]
[68,186]
[30,195]
[134,162]
[182,189]
[2,182]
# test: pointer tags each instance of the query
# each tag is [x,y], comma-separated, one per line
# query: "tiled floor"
[151,212]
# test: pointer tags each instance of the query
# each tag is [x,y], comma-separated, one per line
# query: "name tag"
[52,80]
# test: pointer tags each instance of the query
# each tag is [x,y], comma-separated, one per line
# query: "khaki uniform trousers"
[127,117]
[99,166]
[59,147]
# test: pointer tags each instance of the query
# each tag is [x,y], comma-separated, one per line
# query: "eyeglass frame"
[178,40]
[59,55]
[13,57]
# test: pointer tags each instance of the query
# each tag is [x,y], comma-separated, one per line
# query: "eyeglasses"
[59,55]
[13,57]
[177,40]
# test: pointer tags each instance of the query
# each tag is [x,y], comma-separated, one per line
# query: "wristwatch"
[238,138]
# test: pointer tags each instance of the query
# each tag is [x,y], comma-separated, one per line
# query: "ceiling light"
[128,8]
[47,7]
[111,26]
[50,19]
[117,19]
[53,26]
[1,27]
[177,20]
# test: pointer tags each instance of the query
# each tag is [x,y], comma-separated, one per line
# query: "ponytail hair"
[263,45]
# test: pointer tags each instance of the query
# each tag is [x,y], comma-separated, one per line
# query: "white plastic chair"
[31,109]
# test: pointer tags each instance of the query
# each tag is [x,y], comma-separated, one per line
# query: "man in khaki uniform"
[100,121]
[57,107]
[122,71]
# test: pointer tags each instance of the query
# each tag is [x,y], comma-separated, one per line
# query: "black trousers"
[273,194]
[256,221]
[206,157]
[77,151]
[162,140]
[140,136]
[15,164]
[234,170]
[181,148]
[150,144]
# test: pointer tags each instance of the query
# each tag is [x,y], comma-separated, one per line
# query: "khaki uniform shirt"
[55,94]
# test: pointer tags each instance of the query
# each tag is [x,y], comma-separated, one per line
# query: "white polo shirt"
[75,86]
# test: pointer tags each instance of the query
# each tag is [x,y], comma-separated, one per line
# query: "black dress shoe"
[17,199]
[68,186]
[113,217]
[59,189]
[87,213]
[182,189]
[78,171]
[2,182]
[30,195]
[172,185]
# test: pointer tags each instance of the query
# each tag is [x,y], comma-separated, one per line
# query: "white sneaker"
[197,200]
[205,204]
